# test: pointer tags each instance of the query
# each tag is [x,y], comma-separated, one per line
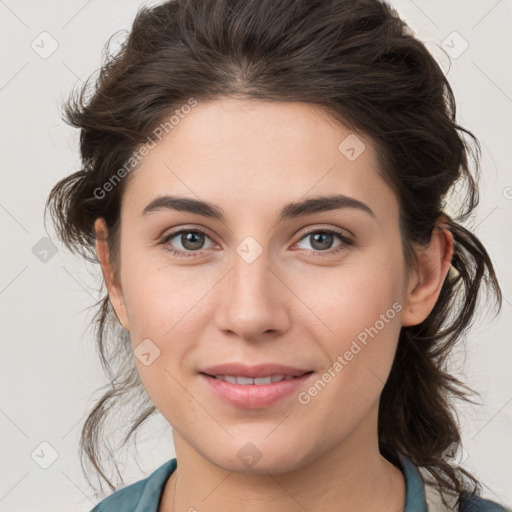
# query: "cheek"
[356,295]
[361,306]
[160,298]
[167,307]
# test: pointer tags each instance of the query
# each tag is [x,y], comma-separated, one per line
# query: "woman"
[265,187]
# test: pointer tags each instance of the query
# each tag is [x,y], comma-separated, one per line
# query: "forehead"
[243,152]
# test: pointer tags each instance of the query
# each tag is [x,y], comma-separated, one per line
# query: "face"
[320,290]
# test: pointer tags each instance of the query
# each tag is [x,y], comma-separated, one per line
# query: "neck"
[350,476]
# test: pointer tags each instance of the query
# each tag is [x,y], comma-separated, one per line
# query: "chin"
[259,458]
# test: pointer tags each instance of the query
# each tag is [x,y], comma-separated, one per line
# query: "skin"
[251,158]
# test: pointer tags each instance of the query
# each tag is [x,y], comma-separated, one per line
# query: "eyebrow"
[290,211]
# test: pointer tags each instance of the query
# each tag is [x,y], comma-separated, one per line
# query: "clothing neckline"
[415,501]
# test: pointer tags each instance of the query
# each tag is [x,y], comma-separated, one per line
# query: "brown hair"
[358,61]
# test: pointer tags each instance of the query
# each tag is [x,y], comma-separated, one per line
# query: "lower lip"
[253,396]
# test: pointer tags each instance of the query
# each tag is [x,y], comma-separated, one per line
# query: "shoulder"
[143,495]
[444,501]
[125,499]
[472,503]
[467,502]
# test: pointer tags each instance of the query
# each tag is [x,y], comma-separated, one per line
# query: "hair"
[361,64]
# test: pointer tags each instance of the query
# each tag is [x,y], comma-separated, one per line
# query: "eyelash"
[346,242]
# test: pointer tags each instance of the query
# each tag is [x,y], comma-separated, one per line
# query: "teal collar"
[415,492]
[154,488]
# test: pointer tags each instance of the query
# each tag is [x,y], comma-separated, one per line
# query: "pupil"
[187,239]
[321,244]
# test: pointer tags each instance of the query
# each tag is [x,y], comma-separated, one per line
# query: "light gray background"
[49,368]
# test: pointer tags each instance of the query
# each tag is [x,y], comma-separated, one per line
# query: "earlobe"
[113,288]
[434,265]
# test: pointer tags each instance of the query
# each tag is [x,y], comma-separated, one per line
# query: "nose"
[252,300]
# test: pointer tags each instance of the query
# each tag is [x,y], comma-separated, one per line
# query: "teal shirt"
[145,495]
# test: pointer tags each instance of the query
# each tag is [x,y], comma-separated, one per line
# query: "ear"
[425,286]
[113,287]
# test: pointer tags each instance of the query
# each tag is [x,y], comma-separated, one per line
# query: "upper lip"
[254,371]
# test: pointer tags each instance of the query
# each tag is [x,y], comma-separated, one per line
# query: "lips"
[254,386]
[256,395]
[254,371]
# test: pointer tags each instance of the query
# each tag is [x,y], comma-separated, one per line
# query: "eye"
[191,240]
[321,241]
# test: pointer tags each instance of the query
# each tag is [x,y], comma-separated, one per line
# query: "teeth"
[258,381]
[244,380]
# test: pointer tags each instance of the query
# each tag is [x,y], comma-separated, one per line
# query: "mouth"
[254,392]
[256,381]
